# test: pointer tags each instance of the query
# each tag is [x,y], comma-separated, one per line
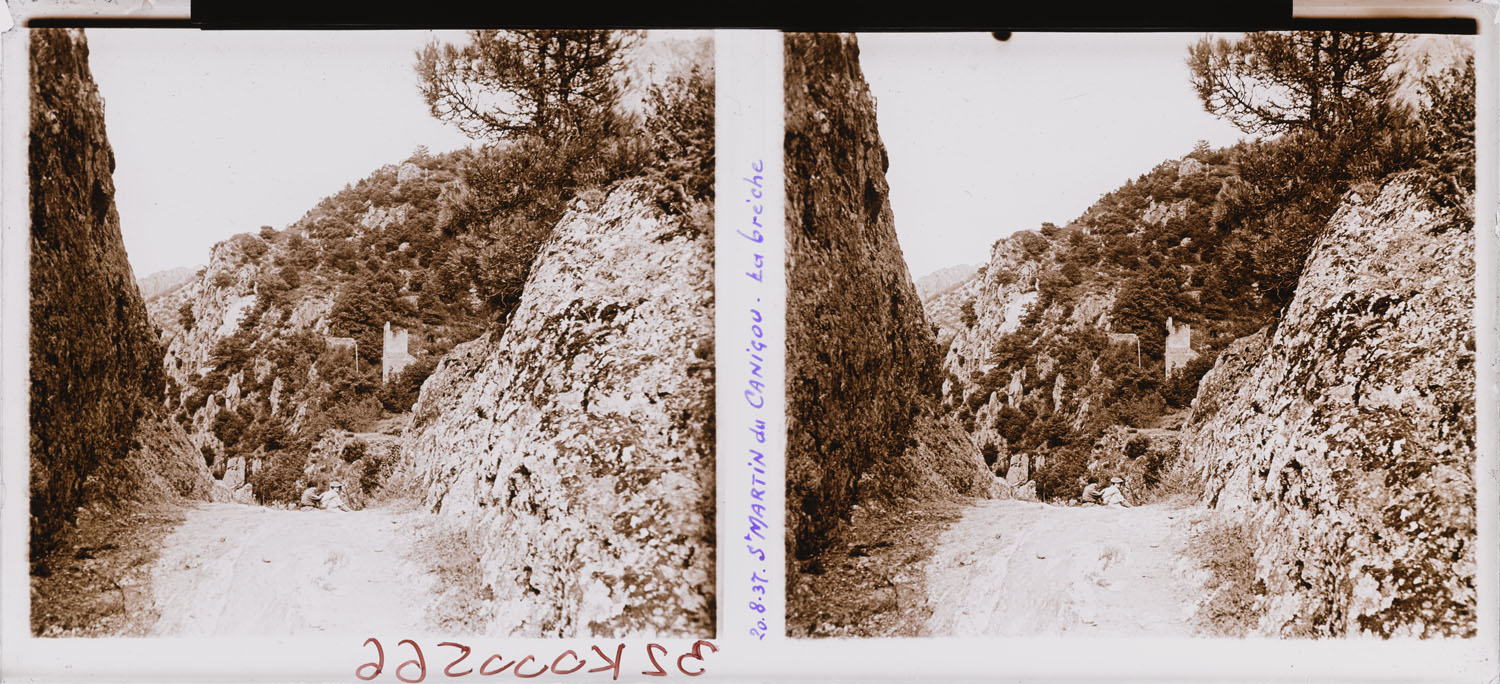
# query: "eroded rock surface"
[579,441]
[1346,433]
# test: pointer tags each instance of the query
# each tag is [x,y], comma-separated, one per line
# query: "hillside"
[561,287]
[1320,286]
[280,337]
[333,322]
[1112,318]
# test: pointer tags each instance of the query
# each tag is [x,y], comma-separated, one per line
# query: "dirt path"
[1016,568]
[233,569]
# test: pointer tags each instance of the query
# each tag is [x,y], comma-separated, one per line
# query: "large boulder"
[578,443]
[95,362]
[1345,435]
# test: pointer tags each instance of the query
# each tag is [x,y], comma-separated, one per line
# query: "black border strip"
[107,22]
[1076,15]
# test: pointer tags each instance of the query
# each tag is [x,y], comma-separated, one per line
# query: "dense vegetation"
[1217,241]
[441,245]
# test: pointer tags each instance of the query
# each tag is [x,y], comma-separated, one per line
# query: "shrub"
[1226,550]
[279,479]
[975,400]
[1182,387]
[369,474]
[1141,411]
[680,129]
[185,316]
[1058,478]
[229,426]
[990,452]
[1031,244]
[254,249]
[1051,431]
[1011,423]
[1151,469]
[353,451]
[1137,446]
[401,392]
[1447,162]
[355,413]
[966,313]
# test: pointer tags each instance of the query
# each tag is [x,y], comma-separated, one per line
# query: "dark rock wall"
[862,360]
[94,355]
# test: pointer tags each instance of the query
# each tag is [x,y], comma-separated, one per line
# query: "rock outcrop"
[1000,295]
[210,306]
[579,441]
[862,360]
[162,465]
[1346,433]
[95,362]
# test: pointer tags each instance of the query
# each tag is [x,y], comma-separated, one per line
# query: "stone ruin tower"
[1179,346]
[393,356]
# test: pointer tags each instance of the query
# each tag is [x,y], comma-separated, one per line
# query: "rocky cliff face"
[216,298]
[862,360]
[1346,433]
[95,362]
[579,442]
[1000,294]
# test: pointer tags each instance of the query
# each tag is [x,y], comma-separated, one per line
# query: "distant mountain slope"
[162,282]
[942,279]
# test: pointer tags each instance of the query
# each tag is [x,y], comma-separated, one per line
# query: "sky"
[217,133]
[987,137]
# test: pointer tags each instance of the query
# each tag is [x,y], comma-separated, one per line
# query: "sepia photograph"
[1131,335]
[371,330]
